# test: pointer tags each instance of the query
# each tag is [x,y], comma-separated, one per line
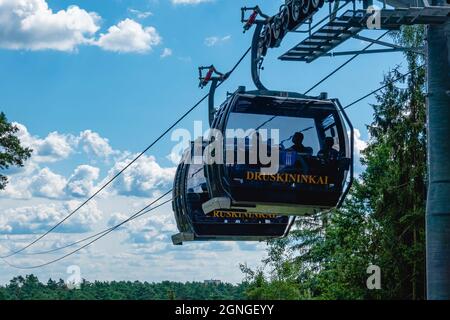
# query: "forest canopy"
[30,288]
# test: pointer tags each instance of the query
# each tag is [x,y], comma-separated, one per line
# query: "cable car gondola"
[236,200]
[190,192]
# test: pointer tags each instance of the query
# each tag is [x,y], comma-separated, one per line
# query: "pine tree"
[382,220]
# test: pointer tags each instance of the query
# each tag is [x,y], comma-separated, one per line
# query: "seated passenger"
[298,146]
[328,152]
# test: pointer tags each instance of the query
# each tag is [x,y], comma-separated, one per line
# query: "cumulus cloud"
[81,183]
[47,184]
[40,218]
[151,233]
[215,40]
[143,178]
[56,146]
[32,180]
[44,183]
[32,25]
[92,143]
[52,148]
[167,52]
[36,179]
[129,36]
[117,218]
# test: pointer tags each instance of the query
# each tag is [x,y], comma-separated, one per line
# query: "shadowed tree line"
[30,288]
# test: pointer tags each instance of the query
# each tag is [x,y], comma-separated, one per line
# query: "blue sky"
[91,83]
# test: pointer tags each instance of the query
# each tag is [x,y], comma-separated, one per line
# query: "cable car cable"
[75,251]
[141,212]
[382,87]
[92,236]
[81,240]
[127,166]
[345,63]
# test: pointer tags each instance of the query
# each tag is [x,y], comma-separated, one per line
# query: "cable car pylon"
[438,133]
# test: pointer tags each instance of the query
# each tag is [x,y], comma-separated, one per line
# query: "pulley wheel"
[306,7]
[285,19]
[315,4]
[268,38]
[296,10]
[276,27]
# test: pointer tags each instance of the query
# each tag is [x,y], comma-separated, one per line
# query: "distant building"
[216,282]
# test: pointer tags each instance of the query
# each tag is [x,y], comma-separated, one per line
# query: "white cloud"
[215,40]
[188,2]
[33,181]
[56,146]
[151,234]
[167,52]
[40,218]
[32,25]
[93,143]
[140,14]
[142,178]
[129,36]
[125,255]
[359,144]
[44,183]
[81,183]
[47,184]
[174,157]
[121,257]
[52,148]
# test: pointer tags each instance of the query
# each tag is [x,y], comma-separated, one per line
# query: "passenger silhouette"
[298,146]
[328,152]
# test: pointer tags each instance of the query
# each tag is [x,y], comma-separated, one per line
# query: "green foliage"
[29,288]
[11,151]
[381,221]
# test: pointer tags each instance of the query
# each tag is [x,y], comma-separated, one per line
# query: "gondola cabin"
[270,156]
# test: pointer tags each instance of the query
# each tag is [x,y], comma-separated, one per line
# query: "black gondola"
[191,192]
[252,200]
